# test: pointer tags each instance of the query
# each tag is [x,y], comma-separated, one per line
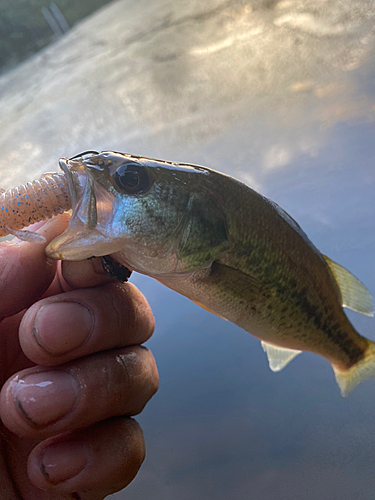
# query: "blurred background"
[279,94]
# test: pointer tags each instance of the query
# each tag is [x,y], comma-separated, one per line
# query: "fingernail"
[45,397]
[74,319]
[63,461]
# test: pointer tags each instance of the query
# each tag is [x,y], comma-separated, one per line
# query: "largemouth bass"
[218,242]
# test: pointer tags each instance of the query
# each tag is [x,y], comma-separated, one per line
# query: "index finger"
[25,270]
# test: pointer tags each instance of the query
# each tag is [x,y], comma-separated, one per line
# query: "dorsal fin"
[278,357]
[354,294]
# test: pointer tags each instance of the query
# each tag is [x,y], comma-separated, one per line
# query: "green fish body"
[218,242]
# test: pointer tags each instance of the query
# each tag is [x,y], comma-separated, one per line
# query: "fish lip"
[80,164]
[68,165]
[64,164]
[81,158]
[85,153]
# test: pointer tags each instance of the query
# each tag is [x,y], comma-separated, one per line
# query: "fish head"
[139,209]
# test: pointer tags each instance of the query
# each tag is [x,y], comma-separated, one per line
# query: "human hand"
[72,371]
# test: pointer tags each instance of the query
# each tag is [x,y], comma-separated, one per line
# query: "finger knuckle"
[142,378]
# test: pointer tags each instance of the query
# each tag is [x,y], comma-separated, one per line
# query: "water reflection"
[279,94]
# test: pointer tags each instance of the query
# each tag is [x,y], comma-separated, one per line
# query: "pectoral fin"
[354,294]
[25,235]
[278,357]
[204,236]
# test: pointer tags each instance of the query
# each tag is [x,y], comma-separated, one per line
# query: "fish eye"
[132,178]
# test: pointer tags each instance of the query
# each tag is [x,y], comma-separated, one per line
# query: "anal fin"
[278,357]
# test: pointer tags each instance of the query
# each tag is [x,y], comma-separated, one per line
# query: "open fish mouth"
[80,185]
[89,230]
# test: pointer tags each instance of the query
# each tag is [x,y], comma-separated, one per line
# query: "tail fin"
[359,372]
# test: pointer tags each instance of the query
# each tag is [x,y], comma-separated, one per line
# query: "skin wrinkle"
[132,370]
[152,375]
[7,354]
[134,445]
[25,415]
[44,472]
[120,360]
[135,309]
[117,312]
[138,371]
[7,266]
[138,309]
[136,312]
[107,385]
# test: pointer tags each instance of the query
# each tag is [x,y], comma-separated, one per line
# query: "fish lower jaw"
[79,246]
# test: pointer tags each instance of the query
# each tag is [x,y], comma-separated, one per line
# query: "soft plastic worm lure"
[35,201]
[51,194]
